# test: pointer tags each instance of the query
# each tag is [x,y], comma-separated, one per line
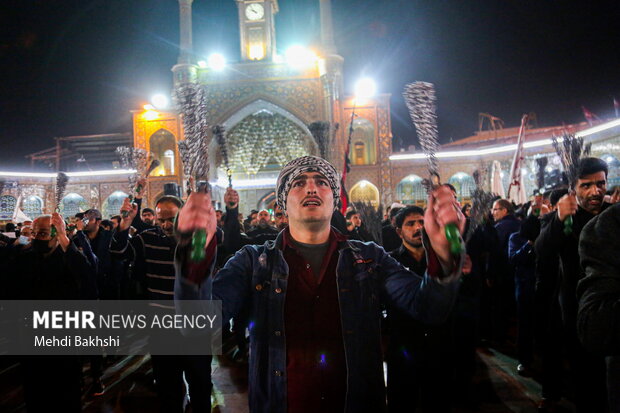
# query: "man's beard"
[263,224]
[585,203]
[415,242]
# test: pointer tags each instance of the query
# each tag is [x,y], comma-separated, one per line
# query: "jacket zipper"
[346,358]
[283,324]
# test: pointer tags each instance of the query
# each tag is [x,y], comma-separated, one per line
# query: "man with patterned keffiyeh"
[316,297]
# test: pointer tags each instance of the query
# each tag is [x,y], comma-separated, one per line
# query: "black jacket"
[552,243]
[389,237]
[500,268]
[598,292]
[55,275]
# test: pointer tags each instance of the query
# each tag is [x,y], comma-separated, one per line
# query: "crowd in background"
[519,294]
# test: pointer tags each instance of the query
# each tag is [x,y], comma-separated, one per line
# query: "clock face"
[254,11]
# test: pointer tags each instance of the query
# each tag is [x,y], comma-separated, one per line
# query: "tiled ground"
[129,388]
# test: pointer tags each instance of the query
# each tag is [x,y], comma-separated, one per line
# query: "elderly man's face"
[498,211]
[166,213]
[280,218]
[27,231]
[42,228]
[264,217]
[310,199]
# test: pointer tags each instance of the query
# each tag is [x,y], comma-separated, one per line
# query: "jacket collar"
[284,236]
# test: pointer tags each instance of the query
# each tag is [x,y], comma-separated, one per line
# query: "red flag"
[590,117]
[344,198]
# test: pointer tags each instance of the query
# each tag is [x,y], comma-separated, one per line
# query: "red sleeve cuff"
[433,266]
[198,272]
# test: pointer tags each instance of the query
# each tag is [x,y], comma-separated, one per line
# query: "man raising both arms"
[316,297]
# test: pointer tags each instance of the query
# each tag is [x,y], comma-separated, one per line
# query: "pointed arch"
[411,191]
[364,191]
[162,144]
[112,204]
[243,151]
[464,185]
[32,206]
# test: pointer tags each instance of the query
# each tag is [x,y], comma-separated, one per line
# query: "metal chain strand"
[192,102]
[420,100]
[220,136]
[570,151]
[320,132]
[61,186]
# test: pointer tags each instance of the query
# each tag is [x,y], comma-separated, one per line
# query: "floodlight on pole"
[216,61]
[160,101]
[365,88]
[298,57]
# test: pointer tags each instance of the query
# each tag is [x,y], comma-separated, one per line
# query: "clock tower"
[257,29]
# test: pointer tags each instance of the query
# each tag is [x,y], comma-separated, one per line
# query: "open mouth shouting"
[311,202]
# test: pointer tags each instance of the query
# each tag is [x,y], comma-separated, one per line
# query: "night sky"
[78,67]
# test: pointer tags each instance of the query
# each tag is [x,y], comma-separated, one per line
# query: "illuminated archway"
[7,206]
[268,202]
[364,191]
[411,191]
[464,185]
[32,206]
[163,147]
[265,140]
[112,205]
[613,165]
[71,204]
[363,148]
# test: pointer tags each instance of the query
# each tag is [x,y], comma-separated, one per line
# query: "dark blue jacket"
[88,287]
[367,277]
[522,256]
[500,268]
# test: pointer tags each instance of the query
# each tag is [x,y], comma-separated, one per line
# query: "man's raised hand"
[567,205]
[132,211]
[61,235]
[231,198]
[198,213]
[442,210]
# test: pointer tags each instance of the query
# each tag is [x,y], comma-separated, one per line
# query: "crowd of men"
[325,302]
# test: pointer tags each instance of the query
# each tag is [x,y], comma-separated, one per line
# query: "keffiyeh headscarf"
[302,165]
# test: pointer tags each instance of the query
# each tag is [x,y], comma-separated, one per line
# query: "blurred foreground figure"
[49,269]
[598,322]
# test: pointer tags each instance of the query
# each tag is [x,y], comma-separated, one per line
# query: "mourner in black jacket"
[556,240]
[49,269]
